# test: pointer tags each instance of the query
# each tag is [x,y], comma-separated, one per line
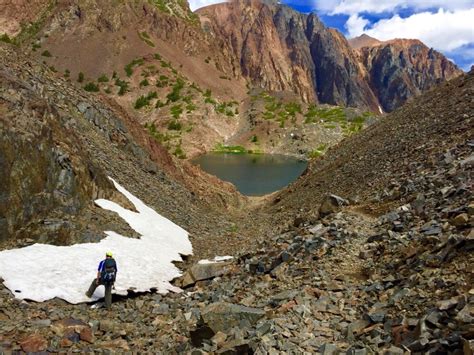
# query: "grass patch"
[47,54]
[158,136]
[145,37]
[91,87]
[130,66]
[176,111]
[5,38]
[144,100]
[232,149]
[174,126]
[103,78]
[80,77]
[175,93]
[123,86]
[320,150]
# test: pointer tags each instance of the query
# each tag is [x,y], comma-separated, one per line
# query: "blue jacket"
[102,266]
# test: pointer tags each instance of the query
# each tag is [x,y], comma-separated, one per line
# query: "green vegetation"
[234,149]
[32,29]
[179,153]
[67,73]
[130,66]
[145,37]
[159,137]
[35,46]
[331,117]
[91,87]
[320,150]
[176,111]
[123,86]
[175,93]
[103,79]
[144,82]
[80,77]
[46,53]
[254,139]
[144,100]
[157,56]
[174,126]
[4,38]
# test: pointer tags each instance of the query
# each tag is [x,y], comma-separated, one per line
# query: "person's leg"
[92,288]
[108,295]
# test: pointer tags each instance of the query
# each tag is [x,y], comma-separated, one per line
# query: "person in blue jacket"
[106,274]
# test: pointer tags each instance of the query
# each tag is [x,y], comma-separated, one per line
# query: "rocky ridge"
[281,49]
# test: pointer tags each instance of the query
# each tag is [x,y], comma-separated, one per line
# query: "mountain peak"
[363,40]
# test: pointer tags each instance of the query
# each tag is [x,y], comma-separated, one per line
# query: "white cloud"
[350,7]
[356,25]
[443,30]
[197,4]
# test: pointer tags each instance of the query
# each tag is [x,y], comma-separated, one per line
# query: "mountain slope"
[385,162]
[59,144]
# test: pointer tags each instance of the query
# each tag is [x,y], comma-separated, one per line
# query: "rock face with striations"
[400,69]
[280,49]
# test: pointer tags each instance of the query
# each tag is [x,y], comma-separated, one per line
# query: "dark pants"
[108,291]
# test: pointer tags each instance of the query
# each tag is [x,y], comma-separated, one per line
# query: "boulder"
[222,316]
[203,271]
[33,343]
[331,203]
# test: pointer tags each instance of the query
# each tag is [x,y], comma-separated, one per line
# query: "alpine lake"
[253,174]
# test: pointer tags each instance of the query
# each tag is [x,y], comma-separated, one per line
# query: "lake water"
[252,174]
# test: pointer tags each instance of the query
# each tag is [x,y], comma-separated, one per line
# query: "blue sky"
[446,25]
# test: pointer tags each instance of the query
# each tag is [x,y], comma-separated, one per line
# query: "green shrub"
[254,139]
[179,153]
[174,126]
[80,77]
[130,66]
[144,82]
[143,101]
[160,104]
[91,87]
[123,86]
[145,37]
[4,38]
[103,79]
[35,46]
[175,93]
[157,56]
[46,53]
[176,111]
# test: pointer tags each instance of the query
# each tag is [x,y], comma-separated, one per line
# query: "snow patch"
[41,272]
[217,259]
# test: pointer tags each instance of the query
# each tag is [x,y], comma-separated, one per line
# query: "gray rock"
[222,316]
[199,272]
[328,349]
[331,203]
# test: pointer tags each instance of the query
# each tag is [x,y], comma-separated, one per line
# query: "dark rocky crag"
[278,48]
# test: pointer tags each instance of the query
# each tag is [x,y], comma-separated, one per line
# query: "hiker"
[106,274]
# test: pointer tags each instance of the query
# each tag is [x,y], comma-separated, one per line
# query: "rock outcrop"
[278,48]
[402,69]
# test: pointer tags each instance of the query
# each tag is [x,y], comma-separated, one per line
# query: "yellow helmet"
[109,253]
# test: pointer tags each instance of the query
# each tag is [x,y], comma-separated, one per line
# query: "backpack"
[108,273]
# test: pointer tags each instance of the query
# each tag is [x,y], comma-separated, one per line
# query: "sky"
[445,25]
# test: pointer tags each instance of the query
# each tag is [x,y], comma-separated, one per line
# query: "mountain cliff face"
[278,48]
[401,69]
